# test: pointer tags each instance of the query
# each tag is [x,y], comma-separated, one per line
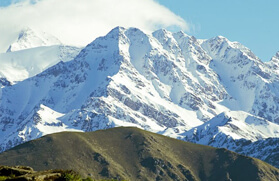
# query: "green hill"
[135,154]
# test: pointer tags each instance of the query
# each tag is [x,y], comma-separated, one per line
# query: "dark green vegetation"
[134,154]
[22,173]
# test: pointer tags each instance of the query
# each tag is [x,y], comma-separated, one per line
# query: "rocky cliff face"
[169,83]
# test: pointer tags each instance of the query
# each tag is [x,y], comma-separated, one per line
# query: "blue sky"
[4,2]
[254,23]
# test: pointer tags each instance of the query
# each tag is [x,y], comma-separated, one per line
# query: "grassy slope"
[134,154]
[21,173]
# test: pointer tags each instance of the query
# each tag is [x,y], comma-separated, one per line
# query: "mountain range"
[213,92]
[134,154]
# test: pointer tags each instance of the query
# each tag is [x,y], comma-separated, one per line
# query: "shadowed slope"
[134,154]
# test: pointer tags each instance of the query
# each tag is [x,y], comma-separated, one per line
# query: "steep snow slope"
[195,86]
[28,38]
[251,84]
[20,65]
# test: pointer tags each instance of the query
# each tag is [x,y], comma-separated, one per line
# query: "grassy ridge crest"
[133,154]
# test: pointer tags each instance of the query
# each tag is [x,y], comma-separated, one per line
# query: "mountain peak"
[161,32]
[117,31]
[218,40]
[223,47]
[221,37]
[163,35]
[29,38]
[275,57]
[180,34]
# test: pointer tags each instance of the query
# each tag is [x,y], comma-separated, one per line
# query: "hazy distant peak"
[29,38]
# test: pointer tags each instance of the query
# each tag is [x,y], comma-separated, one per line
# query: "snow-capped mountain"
[213,92]
[32,53]
[28,38]
[235,125]
[101,88]
[251,84]
[240,132]
[20,65]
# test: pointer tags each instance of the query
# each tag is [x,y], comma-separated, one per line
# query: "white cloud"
[79,22]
